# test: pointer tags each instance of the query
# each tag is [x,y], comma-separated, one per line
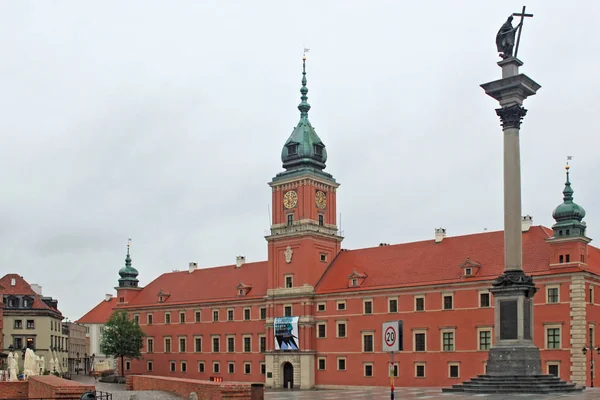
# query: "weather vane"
[505,39]
[569,158]
[128,242]
[306,50]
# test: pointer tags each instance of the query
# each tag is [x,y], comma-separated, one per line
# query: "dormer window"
[27,303]
[293,149]
[470,267]
[319,149]
[356,279]
[354,282]
[468,271]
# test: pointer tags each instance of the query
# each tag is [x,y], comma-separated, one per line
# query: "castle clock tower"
[304,240]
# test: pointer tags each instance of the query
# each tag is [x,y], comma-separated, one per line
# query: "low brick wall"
[205,390]
[53,387]
[14,390]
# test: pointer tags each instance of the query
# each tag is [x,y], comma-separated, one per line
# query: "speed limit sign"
[392,336]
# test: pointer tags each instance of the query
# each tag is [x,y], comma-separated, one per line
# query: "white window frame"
[249,364]
[249,309]
[170,339]
[324,306]
[244,337]
[318,363]
[490,297]
[170,319]
[557,287]
[552,363]
[414,339]
[212,346]
[229,364]
[181,366]
[337,329]
[365,301]
[325,333]
[337,362]
[201,343]
[203,367]
[362,340]
[285,280]
[444,295]
[259,338]
[216,363]
[553,326]
[453,364]
[448,330]
[262,367]
[421,296]
[397,304]
[485,329]
[424,370]
[227,337]
[213,315]
[232,310]
[291,308]
[368,364]
[198,320]
[338,303]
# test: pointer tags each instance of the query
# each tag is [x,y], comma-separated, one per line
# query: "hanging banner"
[286,333]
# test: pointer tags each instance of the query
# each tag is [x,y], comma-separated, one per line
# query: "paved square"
[419,393]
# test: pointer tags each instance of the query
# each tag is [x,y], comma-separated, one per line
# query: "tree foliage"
[122,337]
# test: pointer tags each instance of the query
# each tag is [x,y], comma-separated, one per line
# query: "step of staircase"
[515,384]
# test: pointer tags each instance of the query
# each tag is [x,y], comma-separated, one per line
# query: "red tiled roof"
[427,262]
[21,287]
[206,284]
[100,313]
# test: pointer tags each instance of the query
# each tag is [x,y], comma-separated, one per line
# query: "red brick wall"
[53,387]
[14,390]
[206,390]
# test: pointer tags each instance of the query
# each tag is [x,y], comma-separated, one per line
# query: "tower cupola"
[568,215]
[128,274]
[304,149]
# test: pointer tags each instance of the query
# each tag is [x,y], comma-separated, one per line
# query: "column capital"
[510,117]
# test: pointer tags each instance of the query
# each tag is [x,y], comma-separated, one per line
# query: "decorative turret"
[128,273]
[304,149]
[568,215]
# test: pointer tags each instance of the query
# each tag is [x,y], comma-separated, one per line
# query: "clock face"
[290,199]
[321,199]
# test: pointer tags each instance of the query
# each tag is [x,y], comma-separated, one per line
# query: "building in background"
[77,348]
[94,322]
[311,315]
[32,321]
[3,355]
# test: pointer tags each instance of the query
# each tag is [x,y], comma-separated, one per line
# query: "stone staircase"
[515,384]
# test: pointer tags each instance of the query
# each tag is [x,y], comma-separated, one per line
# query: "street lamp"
[585,350]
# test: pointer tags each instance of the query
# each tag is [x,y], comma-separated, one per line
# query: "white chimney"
[526,223]
[108,297]
[193,266]
[239,261]
[36,288]
[440,234]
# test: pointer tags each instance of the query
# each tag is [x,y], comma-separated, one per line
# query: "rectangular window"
[453,371]
[215,315]
[553,338]
[448,341]
[448,302]
[201,367]
[231,367]
[230,315]
[30,324]
[420,303]
[263,343]
[263,313]
[323,257]
[341,305]
[287,311]
[172,366]
[247,344]
[198,316]
[247,368]
[341,329]
[216,367]
[289,281]
[263,368]
[290,219]
[182,317]
[149,366]
[392,305]
[167,318]
[395,371]
[167,345]
[198,345]
[368,306]
[231,344]
[321,307]
[553,369]
[567,258]
[321,330]
[367,343]
[216,344]
[182,345]
[591,334]
[591,295]
[485,339]
[321,364]
[18,324]
[246,314]
[183,366]
[341,364]
[420,341]
[321,220]
[149,319]
[420,370]
[484,299]
[368,370]
[136,319]
[127,365]
[552,295]
[150,345]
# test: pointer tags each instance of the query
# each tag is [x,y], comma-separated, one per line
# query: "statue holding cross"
[505,39]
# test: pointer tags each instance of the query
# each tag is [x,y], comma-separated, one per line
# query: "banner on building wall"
[286,333]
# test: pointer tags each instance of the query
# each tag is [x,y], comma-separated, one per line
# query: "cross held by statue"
[522,14]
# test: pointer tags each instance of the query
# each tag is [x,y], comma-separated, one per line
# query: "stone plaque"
[508,319]
[527,319]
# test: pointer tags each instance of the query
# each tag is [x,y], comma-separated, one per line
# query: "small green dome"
[304,148]
[128,274]
[568,210]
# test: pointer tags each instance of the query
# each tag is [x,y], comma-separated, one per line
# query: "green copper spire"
[128,273]
[304,149]
[568,215]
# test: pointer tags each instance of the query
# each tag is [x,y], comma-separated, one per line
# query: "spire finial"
[568,191]
[304,106]
[128,245]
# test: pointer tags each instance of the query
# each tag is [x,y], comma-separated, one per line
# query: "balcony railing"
[301,226]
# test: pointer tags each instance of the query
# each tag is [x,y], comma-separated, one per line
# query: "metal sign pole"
[392,370]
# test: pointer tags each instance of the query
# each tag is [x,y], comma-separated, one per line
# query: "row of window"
[215,343]
[30,324]
[216,367]
[198,316]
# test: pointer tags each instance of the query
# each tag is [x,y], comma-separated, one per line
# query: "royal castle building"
[311,315]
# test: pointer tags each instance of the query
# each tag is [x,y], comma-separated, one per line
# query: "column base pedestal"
[514,360]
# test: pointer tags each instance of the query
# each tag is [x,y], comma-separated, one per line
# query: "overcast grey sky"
[163,121]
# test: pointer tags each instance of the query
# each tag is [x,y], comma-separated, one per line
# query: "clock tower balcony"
[303,227]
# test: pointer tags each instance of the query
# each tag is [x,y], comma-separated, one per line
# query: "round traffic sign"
[390,336]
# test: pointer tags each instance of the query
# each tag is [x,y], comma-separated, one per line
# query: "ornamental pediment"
[355,279]
[470,267]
